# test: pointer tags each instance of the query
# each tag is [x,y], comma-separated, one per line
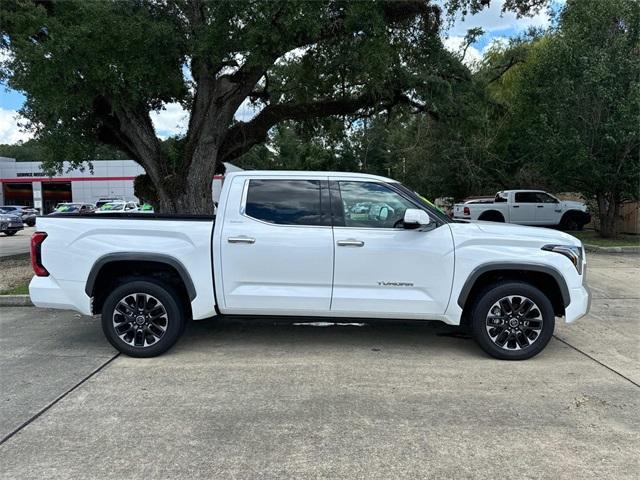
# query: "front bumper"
[580,303]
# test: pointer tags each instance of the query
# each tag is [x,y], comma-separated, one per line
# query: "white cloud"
[174,120]
[455,45]
[170,121]
[10,127]
[492,19]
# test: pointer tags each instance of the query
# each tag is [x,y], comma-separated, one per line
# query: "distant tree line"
[35,151]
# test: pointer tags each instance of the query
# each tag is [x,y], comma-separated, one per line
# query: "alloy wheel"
[140,319]
[514,322]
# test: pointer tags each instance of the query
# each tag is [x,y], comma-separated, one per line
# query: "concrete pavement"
[254,400]
[16,244]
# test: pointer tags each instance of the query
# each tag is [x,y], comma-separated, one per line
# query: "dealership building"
[25,183]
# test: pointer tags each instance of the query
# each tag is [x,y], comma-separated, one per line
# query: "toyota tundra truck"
[306,245]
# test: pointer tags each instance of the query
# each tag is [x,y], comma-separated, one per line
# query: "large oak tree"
[96,70]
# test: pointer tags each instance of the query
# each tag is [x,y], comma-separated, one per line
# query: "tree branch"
[130,130]
[243,136]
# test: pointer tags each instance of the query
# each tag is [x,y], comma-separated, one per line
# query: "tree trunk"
[183,192]
[608,209]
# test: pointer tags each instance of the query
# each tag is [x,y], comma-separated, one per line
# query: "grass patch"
[592,237]
[22,289]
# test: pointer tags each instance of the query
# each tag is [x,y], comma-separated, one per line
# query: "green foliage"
[67,55]
[38,151]
[577,104]
[557,110]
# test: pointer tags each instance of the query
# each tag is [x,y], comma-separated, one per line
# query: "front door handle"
[241,239]
[540,206]
[515,206]
[350,243]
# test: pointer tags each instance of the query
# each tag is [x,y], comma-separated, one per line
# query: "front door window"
[372,205]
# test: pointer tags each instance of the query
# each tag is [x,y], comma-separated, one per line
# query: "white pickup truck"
[526,207]
[305,244]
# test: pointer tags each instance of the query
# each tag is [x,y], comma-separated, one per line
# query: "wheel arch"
[491,214]
[579,215]
[546,278]
[108,268]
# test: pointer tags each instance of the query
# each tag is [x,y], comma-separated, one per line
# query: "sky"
[173,119]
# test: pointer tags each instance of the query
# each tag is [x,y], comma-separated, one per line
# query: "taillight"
[36,254]
[466,211]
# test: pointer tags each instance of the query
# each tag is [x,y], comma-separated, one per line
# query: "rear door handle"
[540,206]
[350,243]
[515,206]
[241,239]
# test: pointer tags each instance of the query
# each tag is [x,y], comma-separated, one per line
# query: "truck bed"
[75,243]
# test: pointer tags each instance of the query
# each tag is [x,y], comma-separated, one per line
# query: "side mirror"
[414,217]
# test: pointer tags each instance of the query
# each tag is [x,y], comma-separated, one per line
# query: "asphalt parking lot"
[256,400]
[16,244]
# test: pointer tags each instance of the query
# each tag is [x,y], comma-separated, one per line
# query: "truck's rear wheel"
[143,318]
[492,216]
[512,320]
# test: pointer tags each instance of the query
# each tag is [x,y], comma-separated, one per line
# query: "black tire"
[31,224]
[492,217]
[10,233]
[573,221]
[520,335]
[147,289]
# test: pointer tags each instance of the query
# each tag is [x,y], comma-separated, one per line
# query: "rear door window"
[527,197]
[287,202]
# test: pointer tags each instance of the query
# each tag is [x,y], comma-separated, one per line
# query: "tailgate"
[458,210]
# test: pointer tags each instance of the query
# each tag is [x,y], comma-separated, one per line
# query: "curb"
[596,248]
[15,301]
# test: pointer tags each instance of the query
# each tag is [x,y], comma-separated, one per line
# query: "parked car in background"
[526,207]
[10,223]
[118,207]
[146,208]
[104,200]
[314,244]
[28,214]
[77,208]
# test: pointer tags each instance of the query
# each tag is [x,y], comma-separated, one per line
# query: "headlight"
[572,252]
[5,219]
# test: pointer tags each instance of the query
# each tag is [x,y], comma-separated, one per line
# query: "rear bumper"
[7,227]
[46,292]
[580,303]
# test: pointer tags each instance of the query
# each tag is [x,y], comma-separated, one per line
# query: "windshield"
[109,207]
[68,208]
[416,197]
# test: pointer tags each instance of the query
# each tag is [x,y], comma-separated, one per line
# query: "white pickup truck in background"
[309,244]
[526,207]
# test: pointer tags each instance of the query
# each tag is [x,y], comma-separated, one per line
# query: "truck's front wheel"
[512,320]
[143,318]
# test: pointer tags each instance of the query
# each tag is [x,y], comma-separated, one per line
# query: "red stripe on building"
[61,179]
[72,179]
